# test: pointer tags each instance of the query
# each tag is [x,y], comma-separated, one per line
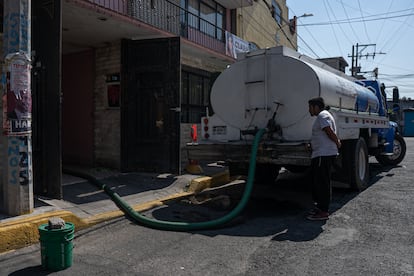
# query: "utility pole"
[357,53]
[15,139]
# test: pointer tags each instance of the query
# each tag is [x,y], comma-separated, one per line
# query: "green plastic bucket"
[56,246]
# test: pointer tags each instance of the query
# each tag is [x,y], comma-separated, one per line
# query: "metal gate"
[46,87]
[150,105]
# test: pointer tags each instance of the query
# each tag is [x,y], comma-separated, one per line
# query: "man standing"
[325,145]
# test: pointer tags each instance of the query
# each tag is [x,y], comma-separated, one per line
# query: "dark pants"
[321,181]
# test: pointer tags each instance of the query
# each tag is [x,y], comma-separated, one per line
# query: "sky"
[337,25]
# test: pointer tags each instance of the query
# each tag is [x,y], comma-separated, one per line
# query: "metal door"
[46,87]
[77,108]
[150,105]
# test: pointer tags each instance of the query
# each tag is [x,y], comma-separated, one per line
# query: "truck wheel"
[397,155]
[355,158]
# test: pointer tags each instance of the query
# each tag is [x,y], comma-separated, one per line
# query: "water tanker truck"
[270,88]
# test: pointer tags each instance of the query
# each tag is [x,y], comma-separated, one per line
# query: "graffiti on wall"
[17,28]
[19,160]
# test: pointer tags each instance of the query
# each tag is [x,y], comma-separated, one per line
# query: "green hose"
[183,226]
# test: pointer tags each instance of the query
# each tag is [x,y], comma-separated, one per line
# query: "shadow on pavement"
[279,208]
[124,185]
[31,270]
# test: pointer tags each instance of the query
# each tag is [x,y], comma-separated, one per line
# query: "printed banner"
[235,45]
[17,98]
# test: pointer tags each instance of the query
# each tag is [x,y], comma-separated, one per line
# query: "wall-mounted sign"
[235,45]
[113,90]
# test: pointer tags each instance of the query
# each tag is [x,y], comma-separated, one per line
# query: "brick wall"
[107,120]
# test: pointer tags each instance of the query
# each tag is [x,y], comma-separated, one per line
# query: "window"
[193,8]
[276,12]
[195,96]
[205,15]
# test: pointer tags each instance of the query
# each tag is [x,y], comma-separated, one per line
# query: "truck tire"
[355,163]
[398,153]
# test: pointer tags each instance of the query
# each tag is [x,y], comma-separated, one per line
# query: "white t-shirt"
[322,145]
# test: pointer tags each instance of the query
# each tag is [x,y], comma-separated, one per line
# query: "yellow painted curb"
[138,207]
[204,182]
[24,232]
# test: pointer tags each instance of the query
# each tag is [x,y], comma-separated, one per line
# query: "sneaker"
[321,215]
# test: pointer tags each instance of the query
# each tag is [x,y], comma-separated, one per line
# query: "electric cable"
[357,20]
[383,22]
[333,30]
[340,27]
[313,37]
[363,20]
[350,24]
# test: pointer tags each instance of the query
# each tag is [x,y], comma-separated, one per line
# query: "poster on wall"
[113,90]
[17,98]
[235,45]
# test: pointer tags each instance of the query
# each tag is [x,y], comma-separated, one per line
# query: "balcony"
[120,5]
[234,4]
[168,17]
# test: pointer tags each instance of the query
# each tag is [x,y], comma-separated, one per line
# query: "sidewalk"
[85,205]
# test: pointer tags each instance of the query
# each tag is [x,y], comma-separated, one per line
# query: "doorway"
[150,105]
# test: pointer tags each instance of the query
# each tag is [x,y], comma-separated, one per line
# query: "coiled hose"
[182,226]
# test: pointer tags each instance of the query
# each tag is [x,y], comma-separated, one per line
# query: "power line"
[383,22]
[363,20]
[402,76]
[346,36]
[333,30]
[350,25]
[403,24]
[316,41]
[316,55]
[356,20]
[265,30]
[390,66]
[262,31]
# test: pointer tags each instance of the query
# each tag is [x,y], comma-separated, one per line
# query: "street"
[368,233]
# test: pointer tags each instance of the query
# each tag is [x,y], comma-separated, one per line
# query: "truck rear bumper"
[268,153]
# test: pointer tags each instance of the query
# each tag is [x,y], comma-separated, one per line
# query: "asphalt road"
[369,233]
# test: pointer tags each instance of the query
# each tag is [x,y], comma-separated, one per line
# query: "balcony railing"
[170,17]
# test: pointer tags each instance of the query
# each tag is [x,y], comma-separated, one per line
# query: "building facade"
[118,83]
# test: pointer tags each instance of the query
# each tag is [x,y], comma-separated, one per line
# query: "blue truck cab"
[393,146]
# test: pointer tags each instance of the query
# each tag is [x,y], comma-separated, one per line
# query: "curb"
[23,232]
[204,182]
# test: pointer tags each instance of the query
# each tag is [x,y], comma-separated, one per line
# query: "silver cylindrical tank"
[247,93]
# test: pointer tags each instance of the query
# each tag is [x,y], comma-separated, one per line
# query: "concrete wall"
[191,61]
[256,24]
[107,120]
